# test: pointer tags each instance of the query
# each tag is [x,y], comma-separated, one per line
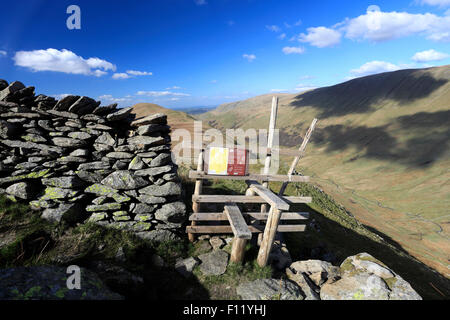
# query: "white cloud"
[213,81]
[139,73]
[282,36]
[273,28]
[130,73]
[291,50]
[162,94]
[373,67]
[429,55]
[321,37]
[380,26]
[249,57]
[200,2]
[60,96]
[3,53]
[110,99]
[440,3]
[173,88]
[117,76]
[278,90]
[62,61]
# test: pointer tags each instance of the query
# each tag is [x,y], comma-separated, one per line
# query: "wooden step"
[252,228]
[220,216]
[257,177]
[237,222]
[245,199]
[270,197]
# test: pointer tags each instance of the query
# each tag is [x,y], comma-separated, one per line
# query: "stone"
[80,135]
[145,141]
[65,103]
[308,288]
[63,114]
[362,286]
[98,216]
[97,165]
[119,155]
[214,262]
[68,142]
[318,271]
[63,182]
[124,180]
[153,171]
[70,213]
[401,290]
[142,226]
[161,160]
[104,110]
[11,89]
[168,189]
[147,154]
[71,159]
[92,177]
[100,190]
[172,212]
[49,283]
[186,266]
[113,206]
[34,138]
[119,115]
[79,153]
[100,200]
[152,128]
[102,147]
[83,106]
[157,118]
[22,190]
[120,165]
[106,138]
[52,193]
[136,164]
[142,208]
[269,289]
[96,126]
[216,243]
[151,199]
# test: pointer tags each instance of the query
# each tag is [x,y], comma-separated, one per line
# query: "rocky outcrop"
[359,277]
[269,289]
[77,161]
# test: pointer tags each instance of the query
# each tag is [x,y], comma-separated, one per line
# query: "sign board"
[227,161]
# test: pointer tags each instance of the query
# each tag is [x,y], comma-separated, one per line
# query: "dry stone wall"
[77,161]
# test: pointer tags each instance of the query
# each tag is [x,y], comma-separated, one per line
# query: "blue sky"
[183,53]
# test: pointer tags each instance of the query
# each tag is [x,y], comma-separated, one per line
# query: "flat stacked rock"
[78,161]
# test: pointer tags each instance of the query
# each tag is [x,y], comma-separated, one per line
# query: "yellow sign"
[218,161]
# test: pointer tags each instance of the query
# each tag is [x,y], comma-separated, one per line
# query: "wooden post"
[269,236]
[197,191]
[272,123]
[301,152]
[240,231]
[238,250]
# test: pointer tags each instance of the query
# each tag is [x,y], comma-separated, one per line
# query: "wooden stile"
[197,191]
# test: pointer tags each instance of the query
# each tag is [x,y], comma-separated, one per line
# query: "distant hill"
[196,110]
[381,149]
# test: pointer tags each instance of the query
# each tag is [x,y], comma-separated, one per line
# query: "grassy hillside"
[380,149]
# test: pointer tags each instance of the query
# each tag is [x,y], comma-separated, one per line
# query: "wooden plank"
[220,216]
[257,177]
[237,222]
[244,199]
[272,122]
[301,152]
[269,196]
[252,228]
[197,191]
[238,249]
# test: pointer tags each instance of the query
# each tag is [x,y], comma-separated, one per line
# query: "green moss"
[33,291]
[391,282]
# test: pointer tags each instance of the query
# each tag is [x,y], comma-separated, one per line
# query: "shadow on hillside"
[360,95]
[429,141]
[343,242]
